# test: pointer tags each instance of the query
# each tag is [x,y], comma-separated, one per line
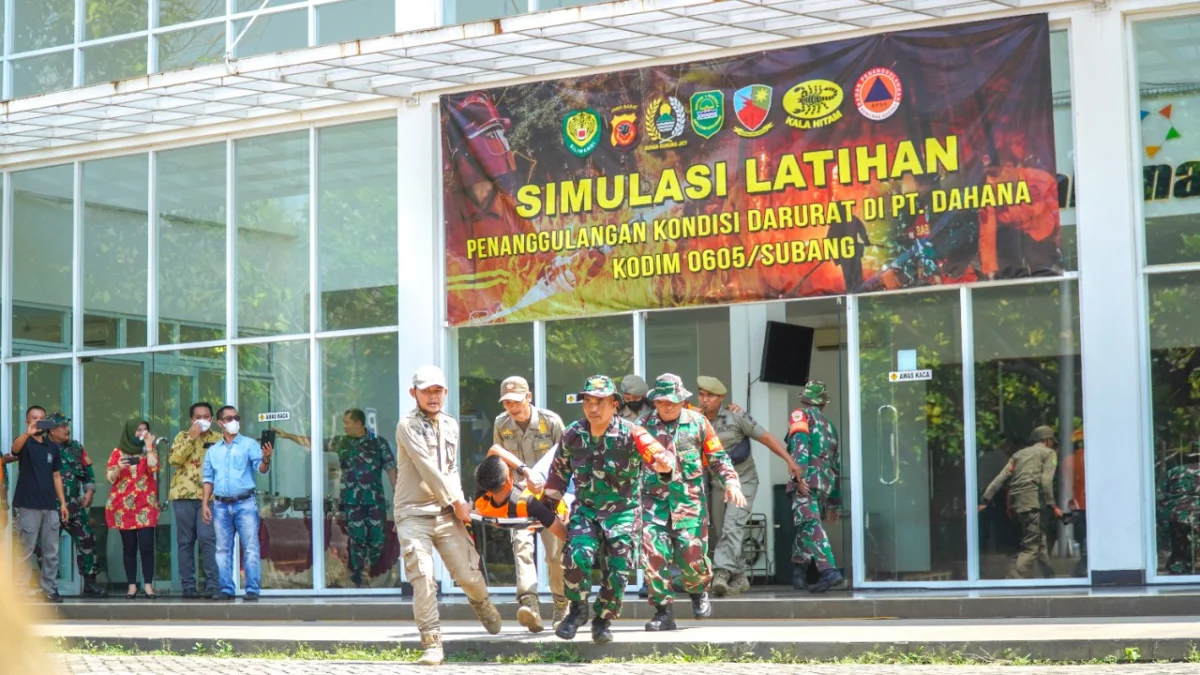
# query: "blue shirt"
[231,467]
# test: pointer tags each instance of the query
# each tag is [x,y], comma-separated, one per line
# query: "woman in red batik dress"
[133,502]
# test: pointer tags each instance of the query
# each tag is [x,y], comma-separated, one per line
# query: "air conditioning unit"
[829,339]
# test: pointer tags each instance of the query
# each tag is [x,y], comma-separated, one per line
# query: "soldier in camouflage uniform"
[812,442]
[79,487]
[1031,473]
[604,454]
[363,458]
[674,512]
[1179,504]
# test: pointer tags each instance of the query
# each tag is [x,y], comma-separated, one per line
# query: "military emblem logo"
[813,104]
[624,126]
[708,112]
[752,105]
[665,121]
[877,94]
[581,132]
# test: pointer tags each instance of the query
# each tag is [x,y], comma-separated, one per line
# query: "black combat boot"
[800,577]
[93,589]
[701,607]
[600,631]
[664,619]
[576,617]
[829,579]
[644,591]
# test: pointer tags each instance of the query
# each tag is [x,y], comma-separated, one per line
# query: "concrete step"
[1054,640]
[766,606]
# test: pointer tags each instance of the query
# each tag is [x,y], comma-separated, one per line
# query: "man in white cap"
[530,433]
[431,512]
[736,430]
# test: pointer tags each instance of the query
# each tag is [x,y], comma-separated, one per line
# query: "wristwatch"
[522,469]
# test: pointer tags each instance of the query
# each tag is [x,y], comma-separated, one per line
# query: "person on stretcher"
[498,496]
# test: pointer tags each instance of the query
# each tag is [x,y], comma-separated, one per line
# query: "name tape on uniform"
[274,416]
[910,375]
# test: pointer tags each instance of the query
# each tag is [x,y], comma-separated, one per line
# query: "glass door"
[913,482]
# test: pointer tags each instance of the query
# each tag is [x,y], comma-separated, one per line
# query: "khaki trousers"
[728,531]
[552,548]
[419,537]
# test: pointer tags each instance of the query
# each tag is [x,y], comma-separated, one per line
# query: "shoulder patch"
[799,423]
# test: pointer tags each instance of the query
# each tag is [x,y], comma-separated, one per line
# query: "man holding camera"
[228,471]
[40,503]
[187,492]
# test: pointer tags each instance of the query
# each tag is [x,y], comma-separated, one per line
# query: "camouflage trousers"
[686,547]
[85,542]
[1034,552]
[812,544]
[1183,548]
[364,528]
[611,544]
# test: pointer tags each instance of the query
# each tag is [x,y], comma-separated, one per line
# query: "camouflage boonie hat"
[58,418]
[814,393]
[599,386]
[669,387]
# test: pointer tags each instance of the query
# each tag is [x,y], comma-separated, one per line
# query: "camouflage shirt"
[363,462]
[694,442]
[606,470]
[812,441]
[77,474]
[1179,493]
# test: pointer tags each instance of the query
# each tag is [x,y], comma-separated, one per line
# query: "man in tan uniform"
[633,395]
[431,512]
[735,430]
[529,433]
[1030,475]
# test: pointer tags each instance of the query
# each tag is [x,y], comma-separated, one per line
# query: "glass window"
[1064,144]
[486,356]
[251,5]
[43,236]
[171,12]
[914,485]
[177,380]
[191,243]
[579,348]
[275,378]
[555,4]
[272,216]
[106,18]
[1174,362]
[43,74]
[356,19]
[466,11]
[272,33]
[356,219]
[1027,374]
[40,24]
[360,398]
[1168,60]
[182,49]
[688,343]
[115,242]
[114,61]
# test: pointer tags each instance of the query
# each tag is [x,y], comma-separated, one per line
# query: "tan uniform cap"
[712,385]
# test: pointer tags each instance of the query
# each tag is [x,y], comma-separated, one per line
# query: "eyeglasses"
[232,418]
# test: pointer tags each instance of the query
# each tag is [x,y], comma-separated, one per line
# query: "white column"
[417,15]
[1109,298]
[767,403]
[419,267]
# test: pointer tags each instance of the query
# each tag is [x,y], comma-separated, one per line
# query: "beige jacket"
[427,480]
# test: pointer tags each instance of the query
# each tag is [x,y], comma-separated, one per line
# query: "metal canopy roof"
[454,57]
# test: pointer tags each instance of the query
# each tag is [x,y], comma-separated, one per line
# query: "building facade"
[215,200]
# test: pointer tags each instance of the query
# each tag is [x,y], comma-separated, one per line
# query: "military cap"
[599,386]
[58,418]
[634,386]
[515,388]
[1041,433]
[670,387]
[712,385]
[814,393]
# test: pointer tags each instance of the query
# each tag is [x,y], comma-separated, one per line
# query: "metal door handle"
[892,444]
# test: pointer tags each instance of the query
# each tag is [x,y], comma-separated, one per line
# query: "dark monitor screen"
[787,354]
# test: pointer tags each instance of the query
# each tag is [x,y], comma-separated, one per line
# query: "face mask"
[205,425]
[635,405]
[233,427]
[141,435]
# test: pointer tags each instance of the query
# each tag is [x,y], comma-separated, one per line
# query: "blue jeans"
[240,518]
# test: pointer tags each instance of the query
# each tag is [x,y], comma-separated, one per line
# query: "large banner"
[884,162]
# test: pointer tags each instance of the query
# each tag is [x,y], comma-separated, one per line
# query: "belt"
[233,500]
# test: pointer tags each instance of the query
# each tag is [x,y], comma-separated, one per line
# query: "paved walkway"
[123,665]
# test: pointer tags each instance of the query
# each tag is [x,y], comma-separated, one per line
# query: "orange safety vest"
[517,506]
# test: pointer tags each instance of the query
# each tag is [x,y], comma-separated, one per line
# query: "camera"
[267,436]
[46,424]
